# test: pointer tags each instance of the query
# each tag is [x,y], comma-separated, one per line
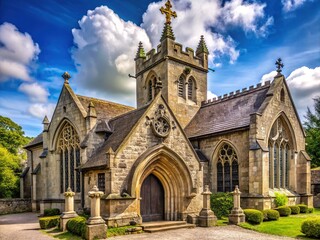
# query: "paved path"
[25,226]
[21,226]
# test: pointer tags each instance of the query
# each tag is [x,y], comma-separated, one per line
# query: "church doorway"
[152,199]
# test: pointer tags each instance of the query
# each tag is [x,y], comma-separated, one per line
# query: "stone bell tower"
[180,75]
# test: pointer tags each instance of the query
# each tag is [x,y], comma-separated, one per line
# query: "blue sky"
[96,42]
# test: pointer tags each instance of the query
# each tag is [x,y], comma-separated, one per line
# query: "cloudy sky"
[96,40]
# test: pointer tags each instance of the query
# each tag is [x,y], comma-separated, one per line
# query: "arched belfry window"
[181,84]
[279,155]
[227,169]
[69,150]
[151,84]
[191,89]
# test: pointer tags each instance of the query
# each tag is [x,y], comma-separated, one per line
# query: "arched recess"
[282,145]
[224,167]
[173,174]
[67,148]
[149,84]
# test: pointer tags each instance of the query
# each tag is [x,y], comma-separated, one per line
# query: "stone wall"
[15,205]
[315,187]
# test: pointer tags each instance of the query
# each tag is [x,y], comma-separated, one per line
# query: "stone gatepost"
[68,209]
[237,216]
[206,216]
[96,227]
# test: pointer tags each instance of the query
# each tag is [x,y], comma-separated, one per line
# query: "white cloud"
[268,77]
[290,5]
[39,110]
[17,53]
[35,92]
[211,95]
[247,15]
[106,46]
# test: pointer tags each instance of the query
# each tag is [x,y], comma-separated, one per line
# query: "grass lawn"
[117,231]
[285,226]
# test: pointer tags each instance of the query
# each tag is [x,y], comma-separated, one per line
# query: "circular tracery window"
[161,126]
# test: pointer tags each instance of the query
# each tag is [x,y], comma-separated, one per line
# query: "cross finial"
[66,76]
[168,12]
[279,65]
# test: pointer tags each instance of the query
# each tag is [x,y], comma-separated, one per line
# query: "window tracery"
[69,148]
[227,169]
[279,154]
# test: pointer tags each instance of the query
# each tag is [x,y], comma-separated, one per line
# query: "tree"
[9,174]
[312,127]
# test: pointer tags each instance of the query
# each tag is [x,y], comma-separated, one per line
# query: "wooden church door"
[152,199]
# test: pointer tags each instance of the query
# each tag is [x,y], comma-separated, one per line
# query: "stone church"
[152,162]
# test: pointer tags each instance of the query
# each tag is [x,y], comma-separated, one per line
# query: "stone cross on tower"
[279,65]
[168,12]
[66,76]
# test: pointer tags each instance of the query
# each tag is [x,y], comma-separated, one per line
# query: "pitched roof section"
[104,109]
[36,141]
[121,126]
[228,113]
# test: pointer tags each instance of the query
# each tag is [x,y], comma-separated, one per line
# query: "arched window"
[227,169]
[69,149]
[181,83]
[282,96]
[150,87]
[279,155]
[191,89]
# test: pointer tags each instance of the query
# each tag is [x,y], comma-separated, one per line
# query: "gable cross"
[279,65]
[168,12]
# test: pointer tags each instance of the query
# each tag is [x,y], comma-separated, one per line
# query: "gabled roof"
[104,109]
[121,127]
[228,113]
[36,141]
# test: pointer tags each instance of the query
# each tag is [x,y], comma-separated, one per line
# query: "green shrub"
[270,215]
[310,210]
[221,204]
[294,209]
[303,208]
[284,211]
[311,228]
[253,216]
[51,212]
[77,226]
[49,222]
[281,199]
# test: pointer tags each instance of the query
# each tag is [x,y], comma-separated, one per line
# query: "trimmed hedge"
[253,216]
[311,228]
[310,210]
[303,208]
[281,199]
[51,212]
[49,222]
[77,226]
[284,211]
[294,209]
[270,215]
[221,204]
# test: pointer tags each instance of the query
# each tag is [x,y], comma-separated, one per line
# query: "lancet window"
[191,89]
[279,155]
[227,169]
[181,83]
[151,84]
[69,149]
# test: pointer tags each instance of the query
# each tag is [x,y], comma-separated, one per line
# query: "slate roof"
[105,109]
[228,113]
[121,127]
[36,141]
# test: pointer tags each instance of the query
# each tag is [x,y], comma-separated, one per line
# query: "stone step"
[165,225]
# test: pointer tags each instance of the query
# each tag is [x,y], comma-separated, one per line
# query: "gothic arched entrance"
[152,199]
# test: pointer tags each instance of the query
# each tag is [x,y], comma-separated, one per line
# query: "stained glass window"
[279,158]
[68,145]
[227,169]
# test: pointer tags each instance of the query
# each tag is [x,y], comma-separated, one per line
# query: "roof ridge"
[236,93]
[103,100]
